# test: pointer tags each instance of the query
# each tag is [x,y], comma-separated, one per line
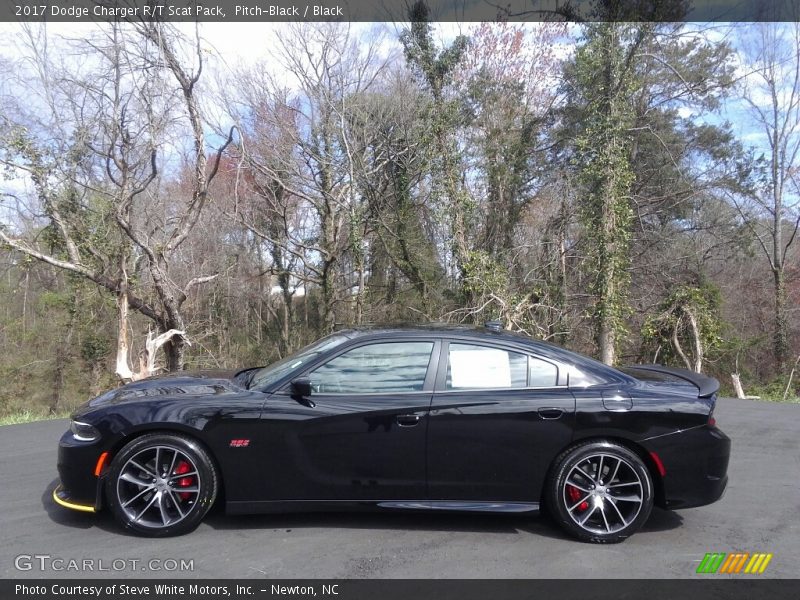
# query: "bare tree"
[771,91]
[93,168]
[300,155]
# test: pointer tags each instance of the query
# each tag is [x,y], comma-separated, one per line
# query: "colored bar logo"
[735,563]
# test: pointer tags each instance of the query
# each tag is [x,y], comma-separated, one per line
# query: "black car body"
[406,418]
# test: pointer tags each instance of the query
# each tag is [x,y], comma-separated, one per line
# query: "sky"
[233,45]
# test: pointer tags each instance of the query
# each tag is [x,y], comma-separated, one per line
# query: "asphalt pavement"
[759,513]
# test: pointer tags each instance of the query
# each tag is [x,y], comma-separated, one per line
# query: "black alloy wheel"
[161,485]
[600,492]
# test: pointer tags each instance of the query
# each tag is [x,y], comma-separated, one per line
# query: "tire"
[162,501]
[599,492]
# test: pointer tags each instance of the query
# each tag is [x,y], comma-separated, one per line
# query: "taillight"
[711,420]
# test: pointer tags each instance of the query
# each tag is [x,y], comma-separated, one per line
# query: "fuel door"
[617,400]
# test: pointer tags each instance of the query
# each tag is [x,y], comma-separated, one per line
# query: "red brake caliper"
[183,467]
[574,495]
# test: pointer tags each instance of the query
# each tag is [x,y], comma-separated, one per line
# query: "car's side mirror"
[300,389]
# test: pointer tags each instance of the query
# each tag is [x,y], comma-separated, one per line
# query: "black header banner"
[402,589]
[398,10]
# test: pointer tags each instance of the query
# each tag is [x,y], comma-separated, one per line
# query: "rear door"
[497,418]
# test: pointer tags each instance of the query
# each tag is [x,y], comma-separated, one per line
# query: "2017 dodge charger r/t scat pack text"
[428,417]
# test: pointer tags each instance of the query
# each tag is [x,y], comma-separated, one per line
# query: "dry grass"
[29,416]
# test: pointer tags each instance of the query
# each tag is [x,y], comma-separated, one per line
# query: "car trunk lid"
[661,375]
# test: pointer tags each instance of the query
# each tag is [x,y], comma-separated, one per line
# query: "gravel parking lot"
[758,514]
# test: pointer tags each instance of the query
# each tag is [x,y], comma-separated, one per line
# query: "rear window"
[473,366]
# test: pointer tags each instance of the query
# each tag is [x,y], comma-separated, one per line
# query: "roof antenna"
[494,325]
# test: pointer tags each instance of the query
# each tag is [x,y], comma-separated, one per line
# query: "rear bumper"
[696,465]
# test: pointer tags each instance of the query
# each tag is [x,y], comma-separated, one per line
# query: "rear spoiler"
[707,386]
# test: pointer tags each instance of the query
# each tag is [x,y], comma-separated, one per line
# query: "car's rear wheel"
[161,484]
[600,492]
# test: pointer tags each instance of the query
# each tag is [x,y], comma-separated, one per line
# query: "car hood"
[188,385]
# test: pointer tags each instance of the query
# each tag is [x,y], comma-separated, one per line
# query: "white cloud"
[754,136]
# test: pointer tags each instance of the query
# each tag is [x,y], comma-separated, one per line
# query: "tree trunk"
[123,369]
[678,348]
[175,351]
[286,345]
[62,356]
[698,342]
[737,385]
[781,337]
[606,341]
[360,294]
[558,326]
[606,287]
[305,304]
[328,300]
[95,385]
[58,380]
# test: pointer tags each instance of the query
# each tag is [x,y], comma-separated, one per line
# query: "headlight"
[83,432]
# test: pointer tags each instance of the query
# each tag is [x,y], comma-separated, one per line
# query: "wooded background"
[629,191]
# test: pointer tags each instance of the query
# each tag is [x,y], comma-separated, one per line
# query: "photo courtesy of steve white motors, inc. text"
[142,590]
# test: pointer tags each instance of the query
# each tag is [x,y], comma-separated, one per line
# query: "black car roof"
[428,328]
[448,329]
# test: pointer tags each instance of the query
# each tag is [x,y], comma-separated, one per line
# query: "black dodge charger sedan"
[431,418]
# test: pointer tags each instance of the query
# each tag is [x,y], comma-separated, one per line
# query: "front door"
[364,436]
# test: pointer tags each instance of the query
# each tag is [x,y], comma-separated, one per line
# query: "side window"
[376,368]
[472,366]
[578,378]
[541,373]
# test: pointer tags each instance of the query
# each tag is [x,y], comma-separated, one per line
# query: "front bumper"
[80,489]
[62,497]
[696,465]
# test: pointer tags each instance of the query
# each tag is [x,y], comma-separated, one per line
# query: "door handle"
[407,420]
[551,413]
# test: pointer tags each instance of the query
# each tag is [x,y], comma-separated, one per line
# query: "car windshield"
[272,373]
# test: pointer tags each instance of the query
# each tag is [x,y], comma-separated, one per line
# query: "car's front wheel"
[161,484]
[600,492]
